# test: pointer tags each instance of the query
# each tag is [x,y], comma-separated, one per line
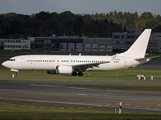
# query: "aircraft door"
[22,60]
[125,63]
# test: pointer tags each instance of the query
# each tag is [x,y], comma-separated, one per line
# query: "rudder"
[139,47]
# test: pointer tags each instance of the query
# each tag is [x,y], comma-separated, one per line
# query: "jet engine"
[64,69]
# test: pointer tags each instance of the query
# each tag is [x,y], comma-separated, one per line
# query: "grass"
[11,110]
[121,79]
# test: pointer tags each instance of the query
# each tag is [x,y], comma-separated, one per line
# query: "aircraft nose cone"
[4,64]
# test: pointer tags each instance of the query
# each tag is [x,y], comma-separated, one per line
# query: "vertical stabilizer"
[138,49]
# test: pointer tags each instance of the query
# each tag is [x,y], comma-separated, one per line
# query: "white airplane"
[76,65]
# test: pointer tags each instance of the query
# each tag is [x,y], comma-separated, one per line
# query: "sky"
[80,6]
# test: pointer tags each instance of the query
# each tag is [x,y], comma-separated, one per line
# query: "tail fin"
[139,47]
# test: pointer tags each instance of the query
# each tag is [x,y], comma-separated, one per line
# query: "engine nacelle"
[64,69]
[51,72]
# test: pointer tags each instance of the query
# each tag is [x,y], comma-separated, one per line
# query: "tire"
[74,73]
[80,74]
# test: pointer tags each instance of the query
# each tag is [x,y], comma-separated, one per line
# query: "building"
[1,43]
[154,45]
[119,42]
[98,45]
[122,41]
[16,44]
[57,43]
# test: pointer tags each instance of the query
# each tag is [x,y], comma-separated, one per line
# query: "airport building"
[119,42]
[16,44]
[98,45]
[57,43]
[123,41]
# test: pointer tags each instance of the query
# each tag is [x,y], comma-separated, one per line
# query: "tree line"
[13,25]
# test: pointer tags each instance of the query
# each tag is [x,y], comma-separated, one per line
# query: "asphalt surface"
[63,94]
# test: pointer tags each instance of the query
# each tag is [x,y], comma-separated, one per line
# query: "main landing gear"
[75,73]
[17,74]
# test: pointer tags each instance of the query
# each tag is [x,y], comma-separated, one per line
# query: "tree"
[43,15]
[146,15]
[152,23]
[130,24]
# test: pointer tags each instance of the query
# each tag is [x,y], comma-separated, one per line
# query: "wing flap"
[83,67]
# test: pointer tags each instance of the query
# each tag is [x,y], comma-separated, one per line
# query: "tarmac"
[63,94]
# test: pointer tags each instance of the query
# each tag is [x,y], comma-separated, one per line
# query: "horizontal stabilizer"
[147,58]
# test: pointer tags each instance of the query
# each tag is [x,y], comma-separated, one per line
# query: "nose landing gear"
[17,74]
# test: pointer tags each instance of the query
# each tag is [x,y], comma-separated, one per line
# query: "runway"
[68,93]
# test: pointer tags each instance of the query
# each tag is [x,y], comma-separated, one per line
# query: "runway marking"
[43,85]
[93,95]
[79,88]
[83,94]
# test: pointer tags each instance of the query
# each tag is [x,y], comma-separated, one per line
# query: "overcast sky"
[80,6]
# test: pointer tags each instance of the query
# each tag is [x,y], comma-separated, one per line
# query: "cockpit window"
[11,59]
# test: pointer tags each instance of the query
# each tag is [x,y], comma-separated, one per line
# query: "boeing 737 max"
[76,64]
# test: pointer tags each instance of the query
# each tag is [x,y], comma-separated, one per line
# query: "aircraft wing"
[84,67]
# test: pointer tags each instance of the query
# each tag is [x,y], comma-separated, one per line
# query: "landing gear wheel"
[74,73]
[80,74]
[17,74]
